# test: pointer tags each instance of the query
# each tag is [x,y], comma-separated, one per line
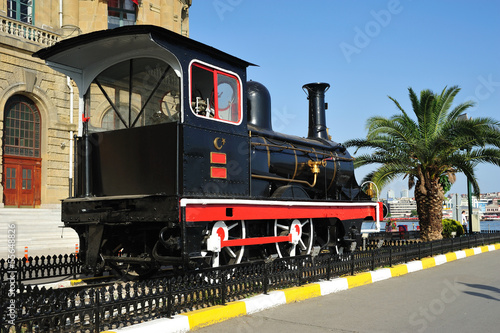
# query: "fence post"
[351,256]
[431,248]
[223,286]
[97,310]
[266,277]
[373,259]
[419,252]
[299,271]
[390,256]
[170,298]
[328,267]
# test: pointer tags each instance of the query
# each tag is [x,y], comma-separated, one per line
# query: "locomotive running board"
[203,210]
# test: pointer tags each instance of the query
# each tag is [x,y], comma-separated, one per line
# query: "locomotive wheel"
[305,229]
[229,255]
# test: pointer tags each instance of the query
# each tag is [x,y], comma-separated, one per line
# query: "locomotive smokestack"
[317,119]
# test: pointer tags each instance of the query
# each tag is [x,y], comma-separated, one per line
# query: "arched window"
[133,93]
[22,127]
[121,13]
[111,121]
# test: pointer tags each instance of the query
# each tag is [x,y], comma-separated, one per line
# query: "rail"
[107,307]
[27,32]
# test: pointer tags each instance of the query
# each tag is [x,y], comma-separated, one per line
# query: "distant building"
[402,207]
[405,193]
[390,194]
[492,209]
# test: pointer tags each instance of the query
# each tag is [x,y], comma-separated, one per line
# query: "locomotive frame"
[177,162]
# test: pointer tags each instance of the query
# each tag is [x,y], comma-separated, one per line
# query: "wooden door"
[21,148]
[21,182]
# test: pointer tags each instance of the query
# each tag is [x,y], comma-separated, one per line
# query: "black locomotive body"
[177,163]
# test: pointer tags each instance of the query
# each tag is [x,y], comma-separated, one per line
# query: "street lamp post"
[469,203]
[469,187]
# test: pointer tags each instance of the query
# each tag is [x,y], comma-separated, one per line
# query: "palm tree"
[430,150]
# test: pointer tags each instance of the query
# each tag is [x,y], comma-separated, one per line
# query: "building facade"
[39,108]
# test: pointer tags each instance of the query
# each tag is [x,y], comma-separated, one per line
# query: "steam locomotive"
[176,161]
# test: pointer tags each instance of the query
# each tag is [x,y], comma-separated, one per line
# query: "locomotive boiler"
[177,163]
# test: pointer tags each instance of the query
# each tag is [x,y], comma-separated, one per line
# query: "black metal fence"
[39,267]
[104,307]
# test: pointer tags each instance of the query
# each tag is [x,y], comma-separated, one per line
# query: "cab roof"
[81,51]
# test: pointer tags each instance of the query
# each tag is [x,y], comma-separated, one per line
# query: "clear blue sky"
[366,50]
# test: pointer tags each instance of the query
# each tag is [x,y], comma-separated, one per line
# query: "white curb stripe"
[414,266]
[440,259]
[460,254]
[177,324]
[333,286]
[381,274]
[263,302]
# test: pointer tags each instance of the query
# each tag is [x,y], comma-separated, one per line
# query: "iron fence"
[39,267]
[104,307]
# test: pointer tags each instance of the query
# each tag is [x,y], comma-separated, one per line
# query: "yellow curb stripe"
[484,249]
[359,280]
[428,263]
[204,317]
[450,256]
[497,246]
[399,270]
[297,294]
[469,252]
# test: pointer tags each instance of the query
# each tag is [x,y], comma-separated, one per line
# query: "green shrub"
[449,226]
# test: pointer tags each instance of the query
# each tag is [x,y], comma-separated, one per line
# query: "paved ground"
[460,296]
[38,231]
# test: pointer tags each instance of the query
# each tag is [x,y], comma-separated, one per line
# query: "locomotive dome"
[259,105]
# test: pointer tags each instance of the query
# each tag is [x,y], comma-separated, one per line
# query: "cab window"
[215,94]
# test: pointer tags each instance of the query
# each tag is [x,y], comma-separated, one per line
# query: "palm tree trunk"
[430,210]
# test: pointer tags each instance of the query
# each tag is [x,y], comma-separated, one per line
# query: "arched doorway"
[21,153]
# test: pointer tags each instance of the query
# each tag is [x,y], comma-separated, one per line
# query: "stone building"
[39,108]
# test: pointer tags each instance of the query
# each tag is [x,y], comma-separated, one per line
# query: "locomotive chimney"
[317,119]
